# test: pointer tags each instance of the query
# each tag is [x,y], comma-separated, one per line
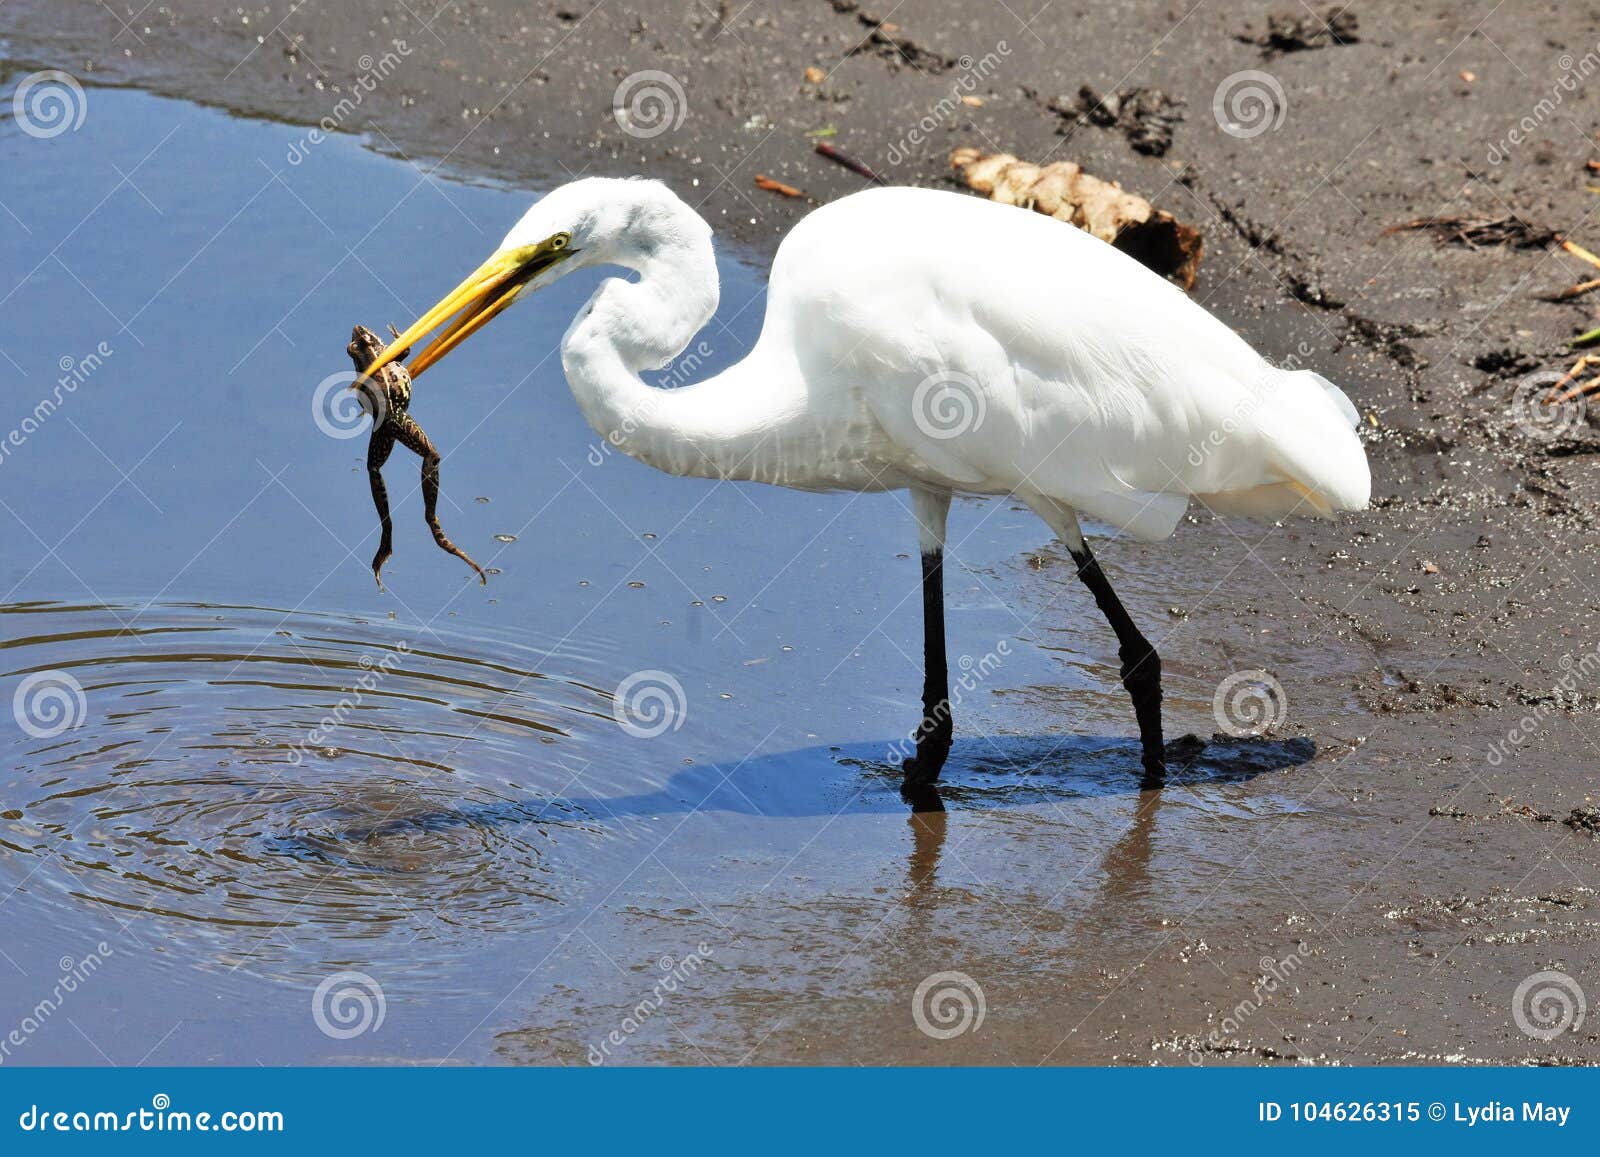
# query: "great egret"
[932,342]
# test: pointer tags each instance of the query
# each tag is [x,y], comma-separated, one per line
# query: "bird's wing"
[1050,363]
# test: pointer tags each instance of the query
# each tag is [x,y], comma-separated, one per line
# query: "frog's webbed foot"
[407,431]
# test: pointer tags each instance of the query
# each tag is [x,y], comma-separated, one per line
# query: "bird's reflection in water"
[929,822]
[1126,867]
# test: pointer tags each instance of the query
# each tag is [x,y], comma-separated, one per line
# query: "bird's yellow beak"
[490,288]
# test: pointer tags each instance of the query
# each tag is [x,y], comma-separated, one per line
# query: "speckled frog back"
[365,347]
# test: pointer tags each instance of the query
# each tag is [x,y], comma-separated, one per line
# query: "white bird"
[937,343]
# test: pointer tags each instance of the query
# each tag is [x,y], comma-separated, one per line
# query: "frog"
[387,398]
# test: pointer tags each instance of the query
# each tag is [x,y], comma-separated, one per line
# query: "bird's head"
[594,221]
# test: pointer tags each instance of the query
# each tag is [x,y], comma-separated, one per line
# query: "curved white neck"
[631,326]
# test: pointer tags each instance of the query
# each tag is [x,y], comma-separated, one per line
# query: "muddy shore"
[1430,872]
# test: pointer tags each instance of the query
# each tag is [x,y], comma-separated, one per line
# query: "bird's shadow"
[858,779]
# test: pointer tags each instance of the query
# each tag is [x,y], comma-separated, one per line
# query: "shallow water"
[245,770]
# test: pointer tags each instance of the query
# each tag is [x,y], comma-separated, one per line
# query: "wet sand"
[1412,879]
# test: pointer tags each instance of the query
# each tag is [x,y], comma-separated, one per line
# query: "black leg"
[933,733]
[378,448]
[412,437]
[1141,666]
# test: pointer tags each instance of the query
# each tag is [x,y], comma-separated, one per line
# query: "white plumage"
[934,342]
[1055,364]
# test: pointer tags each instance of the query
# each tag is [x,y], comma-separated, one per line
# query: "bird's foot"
[1155,773]
[923,797]
[922,769]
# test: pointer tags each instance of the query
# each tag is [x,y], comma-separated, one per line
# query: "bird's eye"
[560,240]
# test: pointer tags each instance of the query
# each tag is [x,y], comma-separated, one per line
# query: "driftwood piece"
[1062,190]
[388,398]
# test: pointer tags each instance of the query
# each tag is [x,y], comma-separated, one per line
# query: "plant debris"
[765,182]
[1062,190]
[1146,116]
[1480,232]
[1585,819]
[840,157]
[388,398]
[1570,292]
[890,42]
[1288,32]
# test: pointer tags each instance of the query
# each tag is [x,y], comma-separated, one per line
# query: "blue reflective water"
[238,769]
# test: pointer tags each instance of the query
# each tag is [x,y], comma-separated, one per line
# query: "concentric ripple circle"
[266,780]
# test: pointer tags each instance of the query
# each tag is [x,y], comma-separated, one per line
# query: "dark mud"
[1437,651]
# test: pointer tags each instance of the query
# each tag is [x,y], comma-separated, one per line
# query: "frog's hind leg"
[379,447]
[408,432]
